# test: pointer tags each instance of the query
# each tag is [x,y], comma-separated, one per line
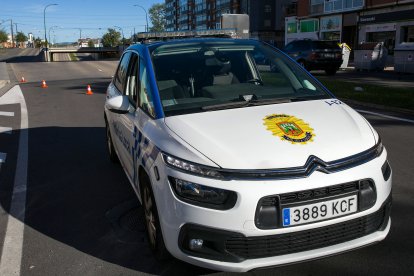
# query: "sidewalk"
[385,78]
[4,75]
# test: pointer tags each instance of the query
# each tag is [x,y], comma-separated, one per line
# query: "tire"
[110,146]
[331,71]
[152,222]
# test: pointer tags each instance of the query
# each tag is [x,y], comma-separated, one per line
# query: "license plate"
[320,211]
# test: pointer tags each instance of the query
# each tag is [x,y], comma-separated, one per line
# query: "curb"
[378,106]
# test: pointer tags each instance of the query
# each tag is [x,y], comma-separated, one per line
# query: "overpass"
[48,52]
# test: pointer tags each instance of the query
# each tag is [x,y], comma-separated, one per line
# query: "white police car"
[242,159]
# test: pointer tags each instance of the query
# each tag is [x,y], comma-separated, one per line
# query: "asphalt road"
[82,217]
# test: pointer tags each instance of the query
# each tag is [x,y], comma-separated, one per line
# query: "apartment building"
[266,16]
[353,21]
[198,14]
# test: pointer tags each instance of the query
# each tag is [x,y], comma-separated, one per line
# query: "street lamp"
[146,14]
[53,27]
[44,19]
[80,37]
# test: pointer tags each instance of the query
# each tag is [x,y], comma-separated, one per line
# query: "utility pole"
[11,28]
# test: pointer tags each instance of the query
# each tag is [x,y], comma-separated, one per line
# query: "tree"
[111,38]
[91,44]
[3,36]
[21,37]
[157,16]
[38,42]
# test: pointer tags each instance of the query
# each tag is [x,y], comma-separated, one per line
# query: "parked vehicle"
[316,54]
[240,158]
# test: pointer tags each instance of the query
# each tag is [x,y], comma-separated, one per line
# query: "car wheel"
[331,71]
[152,223]
[111,150]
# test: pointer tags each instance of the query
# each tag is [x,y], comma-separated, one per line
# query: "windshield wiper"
[245,103]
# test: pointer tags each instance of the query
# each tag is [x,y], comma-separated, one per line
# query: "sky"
[63,21]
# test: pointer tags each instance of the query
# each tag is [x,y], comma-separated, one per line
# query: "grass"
[382,95]
[73,57]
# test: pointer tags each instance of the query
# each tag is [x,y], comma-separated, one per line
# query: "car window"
[145,99]
[121,73]
[132,80]
[193,75]
[325,45]
[302,45]
[290,47]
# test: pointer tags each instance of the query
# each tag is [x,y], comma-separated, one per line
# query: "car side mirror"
[118,104]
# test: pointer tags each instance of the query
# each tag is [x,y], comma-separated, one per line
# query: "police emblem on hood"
[289,128]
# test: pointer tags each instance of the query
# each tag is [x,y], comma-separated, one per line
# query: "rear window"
[325,45]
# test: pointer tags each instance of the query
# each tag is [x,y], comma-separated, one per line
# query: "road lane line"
[385,116]
[8,114]
[5,130]
[11,254]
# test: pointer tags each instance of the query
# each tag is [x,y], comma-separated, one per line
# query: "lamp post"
[44,19]
[51,29]
[146,15]
[80,37]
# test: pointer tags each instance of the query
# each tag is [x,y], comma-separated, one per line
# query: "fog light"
[195,244]
[386,170]
[367,194]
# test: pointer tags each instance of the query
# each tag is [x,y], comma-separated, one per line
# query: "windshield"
[325,45]
[205,75]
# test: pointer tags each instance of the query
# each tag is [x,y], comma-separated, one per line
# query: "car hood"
[258,137]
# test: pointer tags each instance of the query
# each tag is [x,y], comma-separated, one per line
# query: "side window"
[121,72]
[290,47]
[132,80]
[145,96]
[302,46]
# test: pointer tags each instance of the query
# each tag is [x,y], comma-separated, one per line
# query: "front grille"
[319,193]
[275,245]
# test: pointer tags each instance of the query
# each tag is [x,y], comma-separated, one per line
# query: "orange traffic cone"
[44,85]
[22,79]
[89,90]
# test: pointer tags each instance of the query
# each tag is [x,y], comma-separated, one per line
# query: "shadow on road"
[76,196]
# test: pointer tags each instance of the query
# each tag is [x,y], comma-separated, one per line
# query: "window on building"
[291,28]
[316,6]
[267,8]
[309,26]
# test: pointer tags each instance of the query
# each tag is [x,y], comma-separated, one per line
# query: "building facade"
[353,21]
[266,16]
[198,14]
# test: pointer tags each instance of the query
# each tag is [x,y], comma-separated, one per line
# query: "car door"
[116,88]
[127,120]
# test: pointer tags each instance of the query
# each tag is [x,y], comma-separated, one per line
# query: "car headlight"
[201,195]
[190,167]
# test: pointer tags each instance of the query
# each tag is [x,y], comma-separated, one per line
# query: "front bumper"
[233,234]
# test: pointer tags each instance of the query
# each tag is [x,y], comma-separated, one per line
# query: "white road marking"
[4,113]
[2,157]
[11,254]
[385,116]
[5,130]
[100,70]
